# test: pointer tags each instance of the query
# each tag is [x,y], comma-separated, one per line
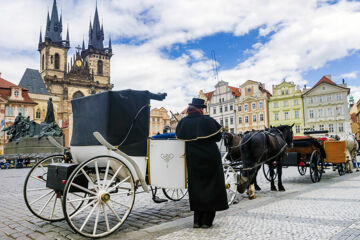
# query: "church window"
[57,61]
[78,94]
[42,62]
[38,114]
[16,93]
[52,59]
[100,67]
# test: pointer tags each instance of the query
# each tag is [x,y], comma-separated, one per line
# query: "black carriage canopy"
[120,116]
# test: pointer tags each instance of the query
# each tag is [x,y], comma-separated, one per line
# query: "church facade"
[63,77]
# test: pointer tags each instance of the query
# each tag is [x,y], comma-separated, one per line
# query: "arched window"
[100,67]
[57,61]
[78,94]
[38,114]
[42,62]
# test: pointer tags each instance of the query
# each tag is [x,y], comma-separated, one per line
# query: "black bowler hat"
[198,102]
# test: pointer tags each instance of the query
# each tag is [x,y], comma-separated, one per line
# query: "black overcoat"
[205,172]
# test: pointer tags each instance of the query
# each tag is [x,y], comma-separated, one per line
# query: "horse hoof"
[257,188]
[281,189]
[273,189]
[357,170]
[252,197]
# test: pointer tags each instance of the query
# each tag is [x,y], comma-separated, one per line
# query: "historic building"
[358,118]
[207,97]
[222,105]
[251,107]
[87,72]
[326,107]
[159,119]
[286,107]
[13,100]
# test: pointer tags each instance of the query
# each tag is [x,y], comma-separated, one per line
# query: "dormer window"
[16,93]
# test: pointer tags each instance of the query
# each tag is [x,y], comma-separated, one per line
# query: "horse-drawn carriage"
[93,184]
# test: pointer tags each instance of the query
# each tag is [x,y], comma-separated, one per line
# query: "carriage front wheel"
[316,166]
[174,194]
[266,171]
[110,189]
[230,183]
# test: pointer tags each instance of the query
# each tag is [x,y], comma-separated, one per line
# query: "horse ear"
[292,125]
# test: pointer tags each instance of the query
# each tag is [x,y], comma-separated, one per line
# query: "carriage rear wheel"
[43,202]
[110,190]
[302,169]
[174,194]
[341,169]
[316,166]
[266,171]
[230,183]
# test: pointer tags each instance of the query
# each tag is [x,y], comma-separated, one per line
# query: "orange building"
[159,119]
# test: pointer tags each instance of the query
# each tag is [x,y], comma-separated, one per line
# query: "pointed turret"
[40,38]
[83,45]
[110,43]
[54,25]
[96,33]
[67,36]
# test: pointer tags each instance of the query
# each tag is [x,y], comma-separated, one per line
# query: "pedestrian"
[207,193]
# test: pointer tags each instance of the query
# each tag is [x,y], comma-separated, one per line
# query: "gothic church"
[87,72]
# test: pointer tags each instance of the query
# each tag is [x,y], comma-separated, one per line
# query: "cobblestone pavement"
[324,210]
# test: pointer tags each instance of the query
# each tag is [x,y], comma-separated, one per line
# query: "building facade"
[326,107]
[159,119]
[13,100]
[87,72]
[358,118]
[222,105]
[252,107]
[286,107]
[207,97]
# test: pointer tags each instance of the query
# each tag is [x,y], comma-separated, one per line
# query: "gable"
[324,88]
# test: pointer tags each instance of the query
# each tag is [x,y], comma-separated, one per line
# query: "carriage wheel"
[43,202]
[230,183]
[110,196]
[174,194]
[266,171]
[316,166]
[302,169]
[341,169]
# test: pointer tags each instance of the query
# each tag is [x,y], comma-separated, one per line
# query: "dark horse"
[263,146]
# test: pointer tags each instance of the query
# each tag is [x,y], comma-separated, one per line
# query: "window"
[321,127]
[246,119]
[276,116]
[153,119]
[226,108]
[78,94]
[339,110]
[42,62]
[221,109]
[22,110]
[320,112]
[286,115]
[297,129]
[296,102]
[38,114]
[331,127]
[245,107]
[328,97]
[240,120]
[286,103]
[254,118]
[330,112]
[341,127]
[221,122]
[51,59]
[323,88]
[16,93]
[100,67]
[311,113]
[276,104]
[239,108]
[253,106]
[226,121]
[311,100]
[158,119]
[231,107]
[10,111]
[297,115]
[214,110]
[261,117]
[222,99]
[231,120]
[57,61]
[249,90]
[338,96]
[320,99]
[261,105]
[219,100]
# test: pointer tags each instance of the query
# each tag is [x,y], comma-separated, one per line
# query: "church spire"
[96,33]
[110,43]
[67,35]
[40,38]
[54,25]
[83,45]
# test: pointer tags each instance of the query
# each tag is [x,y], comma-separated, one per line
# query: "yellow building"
[354,122]
[159,119]
[286,107]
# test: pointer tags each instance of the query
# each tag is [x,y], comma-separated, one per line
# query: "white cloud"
[350,75]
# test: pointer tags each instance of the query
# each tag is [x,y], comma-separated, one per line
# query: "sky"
[167,46]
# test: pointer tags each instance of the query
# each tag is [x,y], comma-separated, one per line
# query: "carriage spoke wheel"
[316,166]
[266,171]
[110,196]
[230,183]
[42,201]
[302,169]
[174,194]
[341,169]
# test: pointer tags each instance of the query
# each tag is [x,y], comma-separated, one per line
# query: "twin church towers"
[86,72]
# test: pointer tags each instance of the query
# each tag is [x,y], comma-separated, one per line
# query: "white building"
[222,105]
[326,107]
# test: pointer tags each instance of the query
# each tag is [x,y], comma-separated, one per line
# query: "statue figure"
[50,112]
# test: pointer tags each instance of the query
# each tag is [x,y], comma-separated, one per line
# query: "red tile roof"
[235,91]
[6,84]
[325,79]
[209,95]
[5,92]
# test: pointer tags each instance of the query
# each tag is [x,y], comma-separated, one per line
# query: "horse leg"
[356,163]
[251,192]
[271,167]
[279,172]
[257,188]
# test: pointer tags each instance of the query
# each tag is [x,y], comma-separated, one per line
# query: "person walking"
[206,184]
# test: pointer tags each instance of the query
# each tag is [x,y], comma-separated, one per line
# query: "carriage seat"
[164,136]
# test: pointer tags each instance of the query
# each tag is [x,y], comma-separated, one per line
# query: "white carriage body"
[166,163]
